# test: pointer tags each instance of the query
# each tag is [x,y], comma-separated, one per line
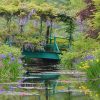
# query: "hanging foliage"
[25,12]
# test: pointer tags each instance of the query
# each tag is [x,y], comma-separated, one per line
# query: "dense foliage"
[10,63]
[84,54]
[26,22]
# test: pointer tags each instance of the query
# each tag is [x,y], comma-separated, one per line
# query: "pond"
[61,91]
[61,96]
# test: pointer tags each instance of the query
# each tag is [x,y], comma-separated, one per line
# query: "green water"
[60,96]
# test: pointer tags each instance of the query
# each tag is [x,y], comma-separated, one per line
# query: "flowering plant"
[93,75]
[10,63]
[91,66]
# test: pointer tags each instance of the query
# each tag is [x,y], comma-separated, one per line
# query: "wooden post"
[47,34]
[41,25]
